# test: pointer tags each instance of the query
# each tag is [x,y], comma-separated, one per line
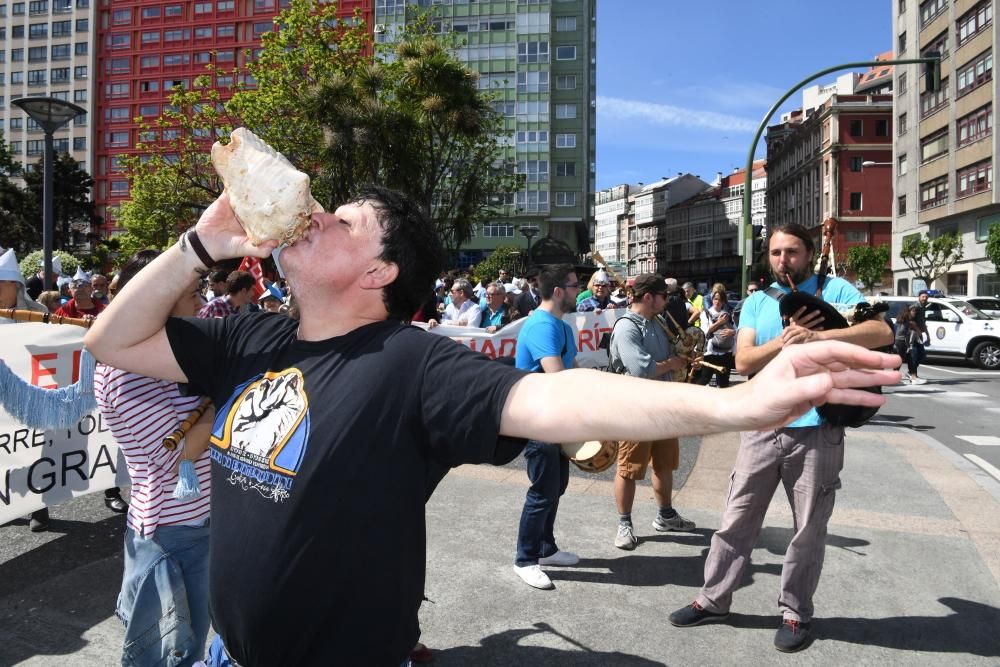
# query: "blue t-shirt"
[760,313]
[544,335]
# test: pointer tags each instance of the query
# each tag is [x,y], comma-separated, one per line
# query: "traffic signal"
[932,72]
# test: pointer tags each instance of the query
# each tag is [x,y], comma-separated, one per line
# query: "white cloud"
[617,109]
[732,95]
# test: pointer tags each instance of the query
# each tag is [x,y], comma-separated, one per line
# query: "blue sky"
[682,86]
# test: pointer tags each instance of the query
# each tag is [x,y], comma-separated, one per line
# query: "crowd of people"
[300,487]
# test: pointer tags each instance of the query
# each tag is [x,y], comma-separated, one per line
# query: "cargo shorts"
[635,457]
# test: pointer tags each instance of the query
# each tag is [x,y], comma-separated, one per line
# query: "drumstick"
[171,441]
[45,318]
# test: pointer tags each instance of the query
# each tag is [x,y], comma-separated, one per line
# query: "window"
[37,77]
[82,25]
[176,35]
[934,145]
[901,165]
[35,147]
[224,56]
[203,33]
[527,22]
[120,41]
[16,55]
[533,201]
[974,178]
[225,31]
[901,84]
[80,48]
[533,137]
[17,9]
[176,59]
[532,82]
[857,128]
[929,9]
[901,43]
[202,57]
[975,126]
[80,95]
[38,7]
[932,101]
[16,123]
[149,110]
[974,20]
[933,193]
[565,23]
[82,4]
[975,73]
[121,17]
[565,199]
[566,82]
[61,51]
[533,52]
[38,30]
[225,5]
[882,127]
[938,44]
[536,171]
[118,65]
[150,13]
[565,53]
[59,74]
[16,147]
[36,53]
[901,205]
[855,201]
[116,90]
[116,114]
[503,229]
[173,11]
[149,86]
[983,227]
[565,168]
[150,37]
[565,141]
[17,77]
[263,5]
[148,62]
[856,163]
[532,111]
[116,138]
[261,27]
[565,111]
[203,8]
[119,188]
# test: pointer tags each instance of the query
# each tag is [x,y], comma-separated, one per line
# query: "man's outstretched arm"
[799,378]
[130,334]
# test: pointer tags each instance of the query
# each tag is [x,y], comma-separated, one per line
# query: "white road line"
[948,370]
[992,470]
[937,393]
[981,440]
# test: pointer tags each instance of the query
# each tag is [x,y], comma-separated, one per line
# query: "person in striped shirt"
[164,596]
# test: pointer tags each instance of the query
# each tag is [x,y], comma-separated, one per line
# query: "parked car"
[956,327]
[988,304]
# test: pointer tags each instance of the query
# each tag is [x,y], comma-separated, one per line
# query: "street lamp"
[51,114]
[529,232]
[871,163]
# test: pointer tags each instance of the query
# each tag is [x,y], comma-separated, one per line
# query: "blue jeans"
[164,597]
[548,471]
[915,357]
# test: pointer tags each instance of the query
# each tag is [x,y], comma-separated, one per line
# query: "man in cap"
[601,298]
[82,304]
[640,348]
[270,301]
[36,284]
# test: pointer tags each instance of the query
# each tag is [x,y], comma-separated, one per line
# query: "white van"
[956,328]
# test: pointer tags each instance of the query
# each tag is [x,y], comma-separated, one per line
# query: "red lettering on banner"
[37,370]
[586,340]
[76,366]
[488,349]
[510,343]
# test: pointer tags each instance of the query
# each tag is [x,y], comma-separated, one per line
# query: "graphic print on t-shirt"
[260,433]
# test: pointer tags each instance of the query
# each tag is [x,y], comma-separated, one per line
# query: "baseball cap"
[649,283]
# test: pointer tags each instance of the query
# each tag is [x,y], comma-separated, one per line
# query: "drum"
[593,455]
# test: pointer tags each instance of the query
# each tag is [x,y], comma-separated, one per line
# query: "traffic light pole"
[933,80]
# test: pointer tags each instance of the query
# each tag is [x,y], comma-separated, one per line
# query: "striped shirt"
[141,412]
[217,307]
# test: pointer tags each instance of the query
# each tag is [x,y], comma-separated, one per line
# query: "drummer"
[545,344]
[640,347]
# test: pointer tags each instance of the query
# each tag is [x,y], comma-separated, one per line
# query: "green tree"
[71,200]
[17,230]
[869,263]
[993,246]
[930,258]
[509,257]
[31,263]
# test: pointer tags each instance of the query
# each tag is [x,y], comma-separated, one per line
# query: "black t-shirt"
[321,454]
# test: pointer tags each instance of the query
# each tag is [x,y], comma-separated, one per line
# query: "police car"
[956,328]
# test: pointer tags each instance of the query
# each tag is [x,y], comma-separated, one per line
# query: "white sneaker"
[533,576]
[916,380]
[560,559]
[626,539]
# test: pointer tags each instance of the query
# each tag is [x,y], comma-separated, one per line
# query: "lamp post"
[51,114]
[872,163]
[529,232]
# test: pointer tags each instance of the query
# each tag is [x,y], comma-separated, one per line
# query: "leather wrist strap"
[199,248]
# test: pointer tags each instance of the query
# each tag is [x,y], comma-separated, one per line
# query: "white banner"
[45,467]
[587,328]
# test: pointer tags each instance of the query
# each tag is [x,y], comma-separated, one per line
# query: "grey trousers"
[807,461]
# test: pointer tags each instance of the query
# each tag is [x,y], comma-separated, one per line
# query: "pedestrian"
[806,456]
[918,349]
[907,344]
[327,426]
[720,334]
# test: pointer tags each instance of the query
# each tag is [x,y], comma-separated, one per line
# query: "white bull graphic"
[267,414]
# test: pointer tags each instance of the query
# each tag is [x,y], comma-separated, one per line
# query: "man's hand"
[804,327]
[224,237]
[805,376]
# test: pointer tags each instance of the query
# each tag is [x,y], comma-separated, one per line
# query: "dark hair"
[218,276]
[923,292]
[138,262]
[552,276]
[796,230]
[410,241]
[239,281]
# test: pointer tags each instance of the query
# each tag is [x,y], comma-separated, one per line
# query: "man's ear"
[379,275]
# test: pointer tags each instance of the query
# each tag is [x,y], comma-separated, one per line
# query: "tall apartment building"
[816,164]
[945,147]
[648,241]
[146,48]
[612,208]
[46,48]
[731,195]
[539,56]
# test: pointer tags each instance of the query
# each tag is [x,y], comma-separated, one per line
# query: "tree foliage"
[71,200]
[509,257]
[869,263]
[930,258]
[16,230]
[993,246]
[31,263]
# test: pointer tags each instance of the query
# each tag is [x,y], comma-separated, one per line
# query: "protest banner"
[45,467]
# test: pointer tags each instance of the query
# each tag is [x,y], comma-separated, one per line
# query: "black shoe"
[792,636]
[695,614]
[39,521]
[116,504]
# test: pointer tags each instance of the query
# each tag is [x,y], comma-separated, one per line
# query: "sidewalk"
[912,573]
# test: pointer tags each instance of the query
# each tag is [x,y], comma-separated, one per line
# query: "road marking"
[981,440]
[938,393]
[948,370]
[992,470]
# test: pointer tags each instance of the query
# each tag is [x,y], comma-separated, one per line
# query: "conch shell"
[270,197]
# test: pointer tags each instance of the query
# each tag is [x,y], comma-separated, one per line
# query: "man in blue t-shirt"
[545,344]
[806,456]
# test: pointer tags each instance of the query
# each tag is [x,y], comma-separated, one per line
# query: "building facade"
[647,236]
[945,146]
[731,192]
[539,58]
[611,207]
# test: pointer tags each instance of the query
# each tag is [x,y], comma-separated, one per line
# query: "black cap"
[649,283]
